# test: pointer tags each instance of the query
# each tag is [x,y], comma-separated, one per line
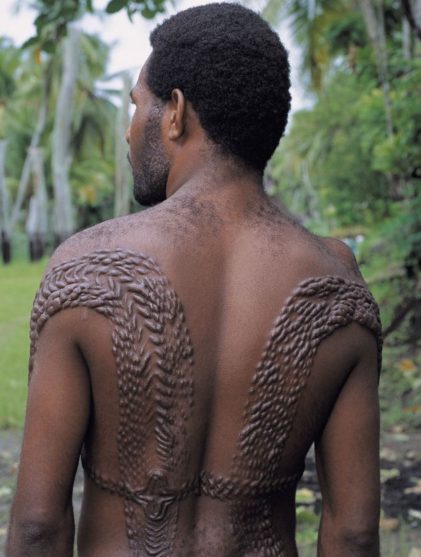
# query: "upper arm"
[56,420]
[347,453]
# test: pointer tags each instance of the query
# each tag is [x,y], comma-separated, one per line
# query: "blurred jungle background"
[349,167]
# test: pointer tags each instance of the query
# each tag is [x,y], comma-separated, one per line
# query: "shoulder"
[80,244]
[125,232]
[80,258]
[313,255]
[340,261]
[343,257]
[341,249]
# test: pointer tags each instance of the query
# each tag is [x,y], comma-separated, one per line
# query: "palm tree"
[37,219]
[9,63]
[61,157]
[323,29]
[4,206]
[27,119]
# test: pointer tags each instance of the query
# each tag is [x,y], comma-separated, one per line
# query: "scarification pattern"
[154,361]
[316,308]
[227,489]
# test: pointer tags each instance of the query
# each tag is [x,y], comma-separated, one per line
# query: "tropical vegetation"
[350,165]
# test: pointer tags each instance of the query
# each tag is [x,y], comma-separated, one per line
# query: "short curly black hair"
[233,69]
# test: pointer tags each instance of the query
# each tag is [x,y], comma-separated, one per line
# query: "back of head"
[233,69]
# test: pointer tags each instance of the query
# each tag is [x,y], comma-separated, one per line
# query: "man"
[193,352]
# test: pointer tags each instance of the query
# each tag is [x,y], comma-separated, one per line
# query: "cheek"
[135,131]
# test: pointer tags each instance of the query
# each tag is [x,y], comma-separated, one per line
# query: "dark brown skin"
[224,262]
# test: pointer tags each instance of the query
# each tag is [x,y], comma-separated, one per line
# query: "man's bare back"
[223,373]
[191,354]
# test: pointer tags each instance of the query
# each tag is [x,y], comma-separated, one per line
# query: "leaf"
[49,46]
[148,13]
[30,42]
[115,6]
[40,21]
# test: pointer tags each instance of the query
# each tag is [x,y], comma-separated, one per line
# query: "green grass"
[18,283]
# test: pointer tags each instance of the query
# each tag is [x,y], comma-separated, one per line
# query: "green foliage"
[400,387]
[19,105]
[344,172]
[54,17]
[93,190]
[148,8]
[9,62]
[332,144]
[52,21]
[92,140]
[30,78]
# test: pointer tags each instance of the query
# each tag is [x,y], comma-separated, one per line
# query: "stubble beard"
[151,174]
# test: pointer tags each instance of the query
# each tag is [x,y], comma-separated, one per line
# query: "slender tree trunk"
[63,209]
[372,11]
[406,39]
[6,250]
[313,202]
[31,223]
[36,224]
[122,171]
[26,170]
[36,136]
[412,11]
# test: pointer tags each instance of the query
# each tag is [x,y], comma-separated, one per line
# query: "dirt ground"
[400,474]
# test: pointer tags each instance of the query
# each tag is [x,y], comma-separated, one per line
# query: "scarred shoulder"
[333,259]
[53,293]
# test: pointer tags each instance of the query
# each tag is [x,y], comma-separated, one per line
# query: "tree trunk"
[6,249]
[372,11]
[63,209]
[36,136]
[406,39]
[412,11]
[36,224]
[312,199]
[122,171]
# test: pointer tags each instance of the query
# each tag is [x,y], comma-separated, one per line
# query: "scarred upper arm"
[347,456]
[56,421]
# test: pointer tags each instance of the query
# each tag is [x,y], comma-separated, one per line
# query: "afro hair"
[233,69]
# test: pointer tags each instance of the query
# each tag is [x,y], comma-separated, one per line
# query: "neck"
[212,176]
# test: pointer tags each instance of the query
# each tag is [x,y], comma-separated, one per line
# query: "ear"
[177,122]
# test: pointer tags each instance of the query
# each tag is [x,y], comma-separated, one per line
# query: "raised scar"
[155,363]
